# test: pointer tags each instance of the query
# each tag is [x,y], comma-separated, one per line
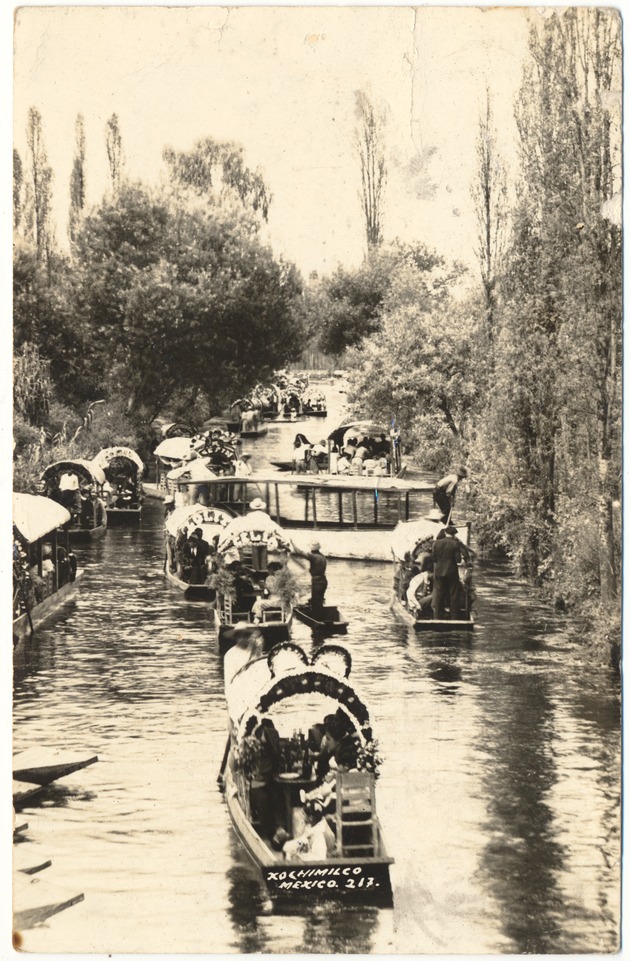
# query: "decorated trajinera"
[78,486]
[414,596]
[190,534]
[44,569]
[123,471]
[253,583]
[300,777]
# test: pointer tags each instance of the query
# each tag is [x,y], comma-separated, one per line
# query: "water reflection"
[521,860]
[499,791]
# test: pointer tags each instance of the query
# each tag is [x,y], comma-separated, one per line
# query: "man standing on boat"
[446,556]
[445,490]
[317,568]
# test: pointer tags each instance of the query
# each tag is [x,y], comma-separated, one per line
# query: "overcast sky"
[281,82]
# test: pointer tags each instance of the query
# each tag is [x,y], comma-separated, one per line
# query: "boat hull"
[47,769]
[191,592]
[315,413]
[44,610]
[427,625]
[123,515]
[358,880]
[81,535]
[273,632]
[253,434]
[331,623]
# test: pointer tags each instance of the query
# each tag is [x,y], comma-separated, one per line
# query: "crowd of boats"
[299,731]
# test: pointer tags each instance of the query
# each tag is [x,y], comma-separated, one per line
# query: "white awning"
[196,470]
[104,457]
[175,448]
[36,516]
[257,525]
[196,515]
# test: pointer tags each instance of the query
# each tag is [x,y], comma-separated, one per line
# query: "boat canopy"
[254,528]
[86,469]
[171,431]
[36,516]
[368,427]
[287,674]
[189,517]
[195,470]
[105,457]
[175,448]
[407,534]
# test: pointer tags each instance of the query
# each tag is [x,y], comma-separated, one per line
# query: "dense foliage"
[522,380]
[168,301]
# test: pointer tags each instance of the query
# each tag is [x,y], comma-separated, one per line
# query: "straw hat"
[258,504]
[434,515]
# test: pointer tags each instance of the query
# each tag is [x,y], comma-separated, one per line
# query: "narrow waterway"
[498,795]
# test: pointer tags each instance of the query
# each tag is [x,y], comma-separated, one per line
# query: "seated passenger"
[420,591]
[343,464]
[317,843]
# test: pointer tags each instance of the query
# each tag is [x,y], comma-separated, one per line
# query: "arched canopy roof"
[35,516]
[257,527]
[85,469]
[105,457]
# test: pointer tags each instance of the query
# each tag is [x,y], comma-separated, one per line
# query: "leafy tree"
[181,297]
[370,146]
[77,178]
[217,170]
[346,306]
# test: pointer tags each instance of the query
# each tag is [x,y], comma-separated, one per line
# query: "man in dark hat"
[445,490]
[446,556]
[317,568]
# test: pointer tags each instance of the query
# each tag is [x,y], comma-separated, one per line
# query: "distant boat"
[78,486]
[123,471]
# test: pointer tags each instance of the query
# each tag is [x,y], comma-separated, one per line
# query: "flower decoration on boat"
[247,753]
[368,758]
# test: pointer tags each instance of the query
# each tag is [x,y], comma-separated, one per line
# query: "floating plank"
[19,829]
[42,766]
[35,868]
[31,917]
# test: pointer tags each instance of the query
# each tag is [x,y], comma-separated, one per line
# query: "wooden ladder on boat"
[356,824]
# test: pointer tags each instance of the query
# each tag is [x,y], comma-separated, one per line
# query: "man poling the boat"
[446,556]
[445,490]
[317,568]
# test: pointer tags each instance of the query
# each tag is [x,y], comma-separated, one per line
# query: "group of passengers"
[79,496]
[436,577]
[30,586]
[359,454]
[331,747]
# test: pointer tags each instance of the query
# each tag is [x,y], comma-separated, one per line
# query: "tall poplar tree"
[115,155]
[77,179]
[39,177]
[370,146]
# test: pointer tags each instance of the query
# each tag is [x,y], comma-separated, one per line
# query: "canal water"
[499,794]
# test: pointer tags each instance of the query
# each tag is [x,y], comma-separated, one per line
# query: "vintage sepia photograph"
[317,465]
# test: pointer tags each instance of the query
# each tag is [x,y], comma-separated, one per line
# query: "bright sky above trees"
[281,81]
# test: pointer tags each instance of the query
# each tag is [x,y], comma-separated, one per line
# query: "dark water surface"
[499,794]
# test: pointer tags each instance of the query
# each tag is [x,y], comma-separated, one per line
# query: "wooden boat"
[290,692]
[42,766]
[38,900]
[283,465]
[408,542]
[39,527]
[179,525]
[123,471]
[257,542]
[78,486]
[328,621]
[388,438]
[254,433]
[352,517]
